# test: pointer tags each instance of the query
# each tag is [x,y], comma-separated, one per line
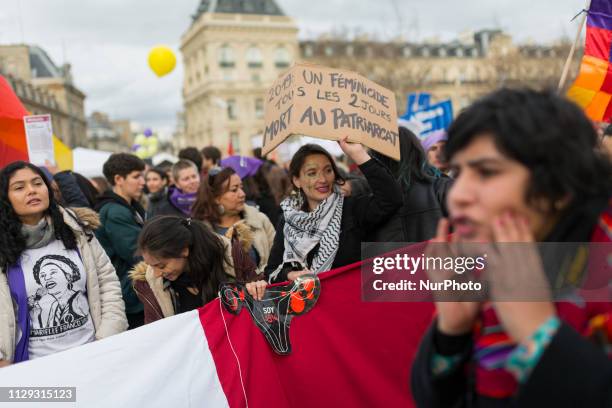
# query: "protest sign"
[415,102]
[436,117]
[330,104]
[39,137]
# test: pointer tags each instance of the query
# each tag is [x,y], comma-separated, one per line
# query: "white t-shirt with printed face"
[56,284]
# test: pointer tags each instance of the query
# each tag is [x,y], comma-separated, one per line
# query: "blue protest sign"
[416,101]
[435,117]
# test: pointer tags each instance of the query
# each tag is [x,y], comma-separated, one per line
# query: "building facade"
[45,88]
[234,50]
[461,70]
[232,53]
[108,135]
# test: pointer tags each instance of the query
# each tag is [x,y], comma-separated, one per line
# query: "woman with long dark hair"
[527,170]
[184,264]
[424,190]
[58,289]
[221,204]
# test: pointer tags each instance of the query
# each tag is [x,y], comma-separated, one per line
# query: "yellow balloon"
[162,60]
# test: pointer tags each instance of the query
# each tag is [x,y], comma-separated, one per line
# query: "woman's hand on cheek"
[519,288]
[456,314]
[355,151]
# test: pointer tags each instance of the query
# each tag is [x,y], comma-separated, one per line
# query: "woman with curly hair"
[58,289]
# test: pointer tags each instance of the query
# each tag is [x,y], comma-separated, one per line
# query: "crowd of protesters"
[144,243]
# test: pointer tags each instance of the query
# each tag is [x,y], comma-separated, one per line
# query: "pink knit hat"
[433,138]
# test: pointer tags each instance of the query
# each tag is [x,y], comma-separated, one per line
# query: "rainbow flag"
[592,89]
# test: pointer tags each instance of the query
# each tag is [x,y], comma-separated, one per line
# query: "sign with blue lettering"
[436,117]
[416,101]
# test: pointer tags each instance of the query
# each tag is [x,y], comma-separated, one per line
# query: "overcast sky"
[107,41]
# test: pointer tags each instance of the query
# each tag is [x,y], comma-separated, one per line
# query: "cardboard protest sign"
[331,103]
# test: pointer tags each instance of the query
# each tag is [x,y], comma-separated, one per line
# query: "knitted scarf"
[588,221]
[183,201]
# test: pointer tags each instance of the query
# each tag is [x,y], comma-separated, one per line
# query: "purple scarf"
[19,294]
[183,201]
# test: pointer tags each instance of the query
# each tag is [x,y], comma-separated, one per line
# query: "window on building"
[459,52]
[350,50]
[308,51]
[235,139]
[329,50]
[282,58]
[259,108]
[425,52]
[442,52]
[407,52]
[226,57]
[254,58]
[255,78]
[232,109]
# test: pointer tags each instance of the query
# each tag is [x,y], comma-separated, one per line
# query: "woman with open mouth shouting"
[527,170]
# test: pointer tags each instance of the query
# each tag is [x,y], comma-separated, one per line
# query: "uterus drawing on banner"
[273,314]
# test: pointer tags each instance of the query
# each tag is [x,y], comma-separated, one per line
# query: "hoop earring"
[221,209]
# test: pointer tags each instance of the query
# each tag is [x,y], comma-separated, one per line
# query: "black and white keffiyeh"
[304,230]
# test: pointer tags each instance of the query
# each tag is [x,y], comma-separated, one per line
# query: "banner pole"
[573,49]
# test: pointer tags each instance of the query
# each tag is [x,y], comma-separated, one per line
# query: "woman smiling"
[320,229]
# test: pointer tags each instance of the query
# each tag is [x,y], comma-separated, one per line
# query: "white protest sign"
[39,137]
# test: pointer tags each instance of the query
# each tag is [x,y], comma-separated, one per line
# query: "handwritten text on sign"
[330,104]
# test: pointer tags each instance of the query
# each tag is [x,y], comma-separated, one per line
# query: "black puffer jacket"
[360,217]
[160,204]
[417,220]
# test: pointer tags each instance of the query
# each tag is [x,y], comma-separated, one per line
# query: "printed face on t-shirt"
[53,277]
[56,287]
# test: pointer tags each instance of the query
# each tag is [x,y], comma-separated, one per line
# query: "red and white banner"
[345,353]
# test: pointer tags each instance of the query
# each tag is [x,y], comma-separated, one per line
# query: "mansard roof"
[266,7]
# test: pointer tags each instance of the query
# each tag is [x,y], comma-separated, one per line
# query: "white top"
[56,284]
